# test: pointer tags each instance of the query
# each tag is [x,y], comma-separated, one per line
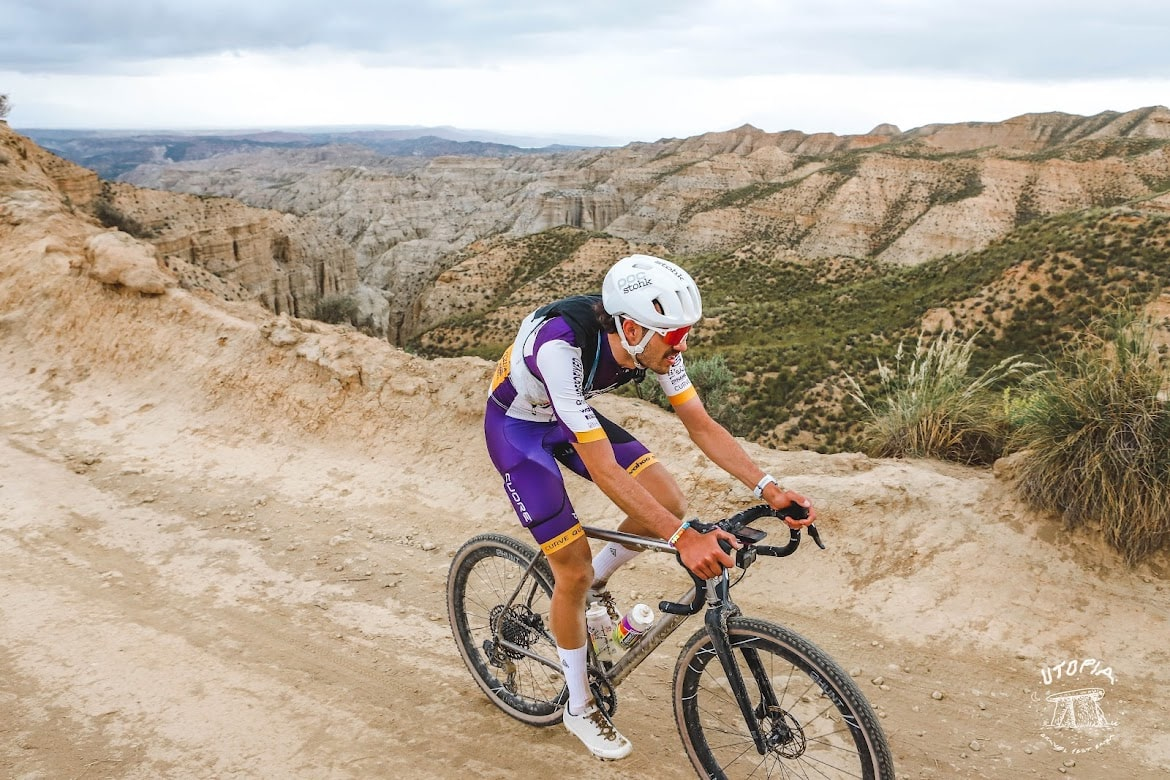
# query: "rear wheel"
[814,720]
[489,597]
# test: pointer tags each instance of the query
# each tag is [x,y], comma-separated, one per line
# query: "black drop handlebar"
[750,538]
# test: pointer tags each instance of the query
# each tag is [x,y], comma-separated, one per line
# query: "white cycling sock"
[609,559]
[574,663]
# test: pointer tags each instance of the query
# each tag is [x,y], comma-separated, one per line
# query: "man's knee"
[672,498]
[573,568]
[665,490]
[575,580]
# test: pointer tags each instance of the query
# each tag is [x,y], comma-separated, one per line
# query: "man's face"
[659,356]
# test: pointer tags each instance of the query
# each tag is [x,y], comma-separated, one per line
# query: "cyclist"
[538,414]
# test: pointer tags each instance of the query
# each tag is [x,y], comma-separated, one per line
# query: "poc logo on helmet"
[633,282]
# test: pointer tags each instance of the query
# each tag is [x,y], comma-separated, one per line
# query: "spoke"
[804,724]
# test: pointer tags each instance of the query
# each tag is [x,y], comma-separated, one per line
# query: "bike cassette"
[518,625]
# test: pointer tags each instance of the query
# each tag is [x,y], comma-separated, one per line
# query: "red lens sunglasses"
[671,337]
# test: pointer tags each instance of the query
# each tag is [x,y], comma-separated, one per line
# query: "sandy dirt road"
[192,595]
[224,540]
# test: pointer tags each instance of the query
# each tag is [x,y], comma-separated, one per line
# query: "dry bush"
[1096,432]
[928,406]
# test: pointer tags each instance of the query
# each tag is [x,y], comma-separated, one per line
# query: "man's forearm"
[625,491]
[725,451]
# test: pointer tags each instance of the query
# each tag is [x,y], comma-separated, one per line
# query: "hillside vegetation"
[818,254]
[790,329]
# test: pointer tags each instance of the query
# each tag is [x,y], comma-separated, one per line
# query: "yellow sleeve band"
[683,397]
[583,437]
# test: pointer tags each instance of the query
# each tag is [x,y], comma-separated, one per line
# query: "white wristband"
[766,480]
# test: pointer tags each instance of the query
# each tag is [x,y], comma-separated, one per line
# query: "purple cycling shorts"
[526,455]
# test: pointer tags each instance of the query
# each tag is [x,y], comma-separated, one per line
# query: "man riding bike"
[538,414]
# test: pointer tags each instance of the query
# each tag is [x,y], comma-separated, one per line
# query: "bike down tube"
[662,628]
[626,664]
[630,660]
[649,642]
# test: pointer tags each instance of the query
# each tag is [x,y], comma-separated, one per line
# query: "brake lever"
[795,511]
[816,535]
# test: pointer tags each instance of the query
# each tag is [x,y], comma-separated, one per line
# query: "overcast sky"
[622,70]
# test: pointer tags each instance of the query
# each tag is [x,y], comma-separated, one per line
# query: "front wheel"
[490,598]
[813,719]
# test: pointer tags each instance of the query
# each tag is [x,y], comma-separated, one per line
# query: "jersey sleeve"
[676,384]
[562,372]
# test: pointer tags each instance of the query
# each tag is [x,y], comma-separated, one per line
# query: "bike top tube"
[632,540]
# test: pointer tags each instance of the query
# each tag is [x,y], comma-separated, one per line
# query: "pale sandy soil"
[224,541]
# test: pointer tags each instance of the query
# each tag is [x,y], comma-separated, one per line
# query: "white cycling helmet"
[654,293]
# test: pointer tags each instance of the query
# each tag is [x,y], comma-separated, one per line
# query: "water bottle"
[600,628]
[631,627]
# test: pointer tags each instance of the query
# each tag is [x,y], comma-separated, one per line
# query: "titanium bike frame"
[720,608]
[650,640]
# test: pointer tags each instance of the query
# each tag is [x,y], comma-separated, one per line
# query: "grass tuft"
[1096,431]
[927,405]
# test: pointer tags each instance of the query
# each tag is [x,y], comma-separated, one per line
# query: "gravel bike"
[751,698]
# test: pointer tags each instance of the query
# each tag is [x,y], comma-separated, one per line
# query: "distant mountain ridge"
[900,198]
[112,153]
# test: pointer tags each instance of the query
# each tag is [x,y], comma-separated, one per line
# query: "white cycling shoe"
[598,734]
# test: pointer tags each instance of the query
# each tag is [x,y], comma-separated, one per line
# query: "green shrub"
[337,309]
[715,383]
[928,406]
[1097,437]
[111,216]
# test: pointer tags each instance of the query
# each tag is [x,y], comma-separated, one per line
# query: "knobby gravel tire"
[820,725]
[484,574]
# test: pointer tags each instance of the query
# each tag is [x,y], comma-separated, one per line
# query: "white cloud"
[629,71]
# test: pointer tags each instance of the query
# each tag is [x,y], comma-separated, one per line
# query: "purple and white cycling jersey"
[538,408]
[541,378]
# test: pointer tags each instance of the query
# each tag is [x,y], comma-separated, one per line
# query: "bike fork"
[716,623]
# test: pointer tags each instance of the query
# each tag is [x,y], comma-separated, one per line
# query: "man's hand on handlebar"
[702,554]
[795,503]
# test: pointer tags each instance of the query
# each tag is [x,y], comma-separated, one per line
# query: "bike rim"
[809,726]
[483,609]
